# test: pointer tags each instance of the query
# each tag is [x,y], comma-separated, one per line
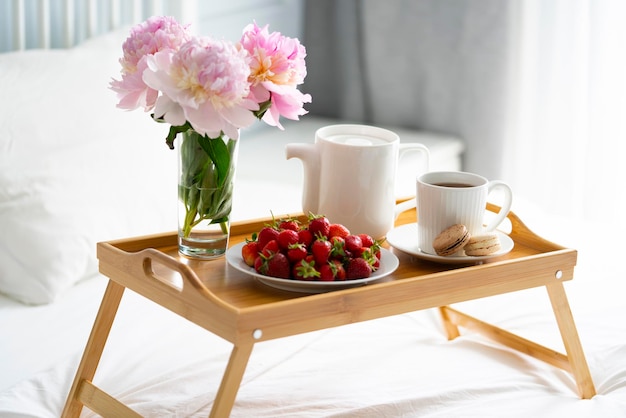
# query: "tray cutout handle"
[181,277]
[174,281]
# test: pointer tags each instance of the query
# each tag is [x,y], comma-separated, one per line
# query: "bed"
[74,170]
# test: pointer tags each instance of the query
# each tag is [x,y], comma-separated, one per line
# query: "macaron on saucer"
[481,245]
[451,240]
[404,238]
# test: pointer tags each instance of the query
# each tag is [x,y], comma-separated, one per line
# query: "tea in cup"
[447,198]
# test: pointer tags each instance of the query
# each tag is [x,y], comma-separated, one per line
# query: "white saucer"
[388,264]
[404,238]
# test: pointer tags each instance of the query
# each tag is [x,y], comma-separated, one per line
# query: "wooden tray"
[243,311]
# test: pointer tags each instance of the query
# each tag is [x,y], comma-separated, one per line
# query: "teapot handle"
[412,147]
[404,206]
[404,148]
[309,156]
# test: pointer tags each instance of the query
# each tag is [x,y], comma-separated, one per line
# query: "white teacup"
[446,198]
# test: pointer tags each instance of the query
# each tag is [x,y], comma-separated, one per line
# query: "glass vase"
[206,168]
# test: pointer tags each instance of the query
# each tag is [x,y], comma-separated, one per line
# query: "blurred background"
[536,89]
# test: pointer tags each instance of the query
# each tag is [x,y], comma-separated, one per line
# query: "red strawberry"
[353,243]
[266,234]
[321,249]
[340,271]
[338,250]
[249,252]
[305,270]
[287,237]
[358,253]
[376,248]
[258,265]
[296,252]
[371,258]
[337,240]
[291,224]
[376,264]
[319,225]
[338,230]
[278,266]
[358,268]
[270,248]
[305,237]
[367,240]
[327,272]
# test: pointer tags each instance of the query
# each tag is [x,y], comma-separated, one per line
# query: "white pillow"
[74,169]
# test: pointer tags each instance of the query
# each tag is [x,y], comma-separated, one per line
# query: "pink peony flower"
[207,90]
[213,86]
[159,33]
[205,83]
[277,67]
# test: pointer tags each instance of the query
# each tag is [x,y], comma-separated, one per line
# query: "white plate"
[388,264]
[404,238]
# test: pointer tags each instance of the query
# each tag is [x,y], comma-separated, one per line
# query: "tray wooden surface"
[240,309]
[152,266]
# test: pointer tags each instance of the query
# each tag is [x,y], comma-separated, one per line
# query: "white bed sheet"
[402,366]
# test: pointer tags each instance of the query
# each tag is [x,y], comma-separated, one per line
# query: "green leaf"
[217,150]
[195,161]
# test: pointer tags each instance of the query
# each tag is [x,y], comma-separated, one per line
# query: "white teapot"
[350,174]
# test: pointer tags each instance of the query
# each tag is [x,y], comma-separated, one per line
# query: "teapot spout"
[311,165]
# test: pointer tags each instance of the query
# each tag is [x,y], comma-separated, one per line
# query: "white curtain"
[535,88]
[567,133]
[435,65]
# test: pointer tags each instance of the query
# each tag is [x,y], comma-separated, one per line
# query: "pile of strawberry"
[319,251]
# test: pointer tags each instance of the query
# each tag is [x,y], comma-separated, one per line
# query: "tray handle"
[522,233]
[516,223]
[189,282]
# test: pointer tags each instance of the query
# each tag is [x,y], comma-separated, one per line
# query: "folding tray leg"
[452,330]
[571,341]
[574,362]
[95,346]
[231,380]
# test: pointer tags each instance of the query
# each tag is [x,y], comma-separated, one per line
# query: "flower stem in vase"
[205,190]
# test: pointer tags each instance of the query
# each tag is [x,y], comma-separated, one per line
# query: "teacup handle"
[505,207]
